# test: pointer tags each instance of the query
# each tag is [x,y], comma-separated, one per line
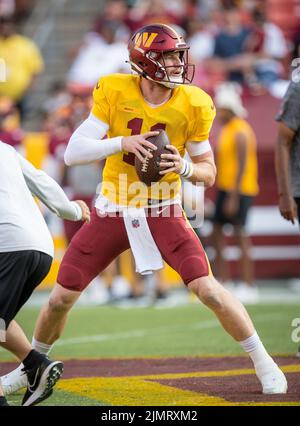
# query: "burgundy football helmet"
[147,48]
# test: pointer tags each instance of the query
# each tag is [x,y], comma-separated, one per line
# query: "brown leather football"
[148,172]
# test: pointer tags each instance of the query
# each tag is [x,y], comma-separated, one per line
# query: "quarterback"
[127,110]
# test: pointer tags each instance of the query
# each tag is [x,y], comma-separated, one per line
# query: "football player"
[127,110]
[26,253]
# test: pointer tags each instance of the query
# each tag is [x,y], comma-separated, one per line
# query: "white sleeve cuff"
[198,148]
[78,211]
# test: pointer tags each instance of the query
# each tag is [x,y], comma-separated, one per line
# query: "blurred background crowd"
[53,52]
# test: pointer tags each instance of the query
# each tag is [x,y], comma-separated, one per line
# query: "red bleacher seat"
[286,14]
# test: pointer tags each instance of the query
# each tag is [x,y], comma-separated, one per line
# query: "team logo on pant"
[135,223]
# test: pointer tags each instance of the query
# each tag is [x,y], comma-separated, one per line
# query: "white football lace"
[146,163]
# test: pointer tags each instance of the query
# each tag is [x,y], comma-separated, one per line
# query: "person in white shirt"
[26,253]
[88,66]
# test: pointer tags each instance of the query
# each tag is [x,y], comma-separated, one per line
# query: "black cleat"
[3,402]
[41,381]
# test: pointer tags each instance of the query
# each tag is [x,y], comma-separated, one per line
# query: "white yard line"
[204,325]
[141,333]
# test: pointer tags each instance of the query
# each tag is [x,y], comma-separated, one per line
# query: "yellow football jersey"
[186,116]
[227,161]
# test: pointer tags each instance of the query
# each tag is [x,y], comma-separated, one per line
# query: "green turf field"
[108,332]
[96,332]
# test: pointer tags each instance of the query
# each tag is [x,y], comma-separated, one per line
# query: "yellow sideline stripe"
[225,373]
[294,368]
[140,390]
[132,391]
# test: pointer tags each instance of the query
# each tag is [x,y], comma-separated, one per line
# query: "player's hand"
[172,162]
[137,144]
[86,214]
[288,208]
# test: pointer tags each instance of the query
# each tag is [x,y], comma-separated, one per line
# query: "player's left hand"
[86,214]
[288,208]
[172,162]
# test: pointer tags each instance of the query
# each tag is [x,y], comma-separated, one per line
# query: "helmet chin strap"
[175,82]
[172,83]
[168,84]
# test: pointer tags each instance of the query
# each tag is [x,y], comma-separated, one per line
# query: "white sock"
[43,348]
[262,361]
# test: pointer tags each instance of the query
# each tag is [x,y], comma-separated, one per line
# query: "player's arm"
[287,205]
[50,193]
[232,202]
[87,143]
[202,168]
[84,145]
[241,150]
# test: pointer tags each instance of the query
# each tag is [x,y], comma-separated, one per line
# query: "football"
[148,172]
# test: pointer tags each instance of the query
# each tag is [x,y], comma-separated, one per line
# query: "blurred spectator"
[205,8]
[81,179]
[115,11]
[80,105]
[10,131]
[64,109]
[19,8]
[23,62]
[23,9]
[58,97]
[100,54]
[230,46]
[60,130]
[230,43]
[7,7]
[201,39]
[287,153]
[250,54]
[146,12]
[237,184]
[268,43]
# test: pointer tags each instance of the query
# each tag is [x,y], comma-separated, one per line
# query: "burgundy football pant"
[99,242]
